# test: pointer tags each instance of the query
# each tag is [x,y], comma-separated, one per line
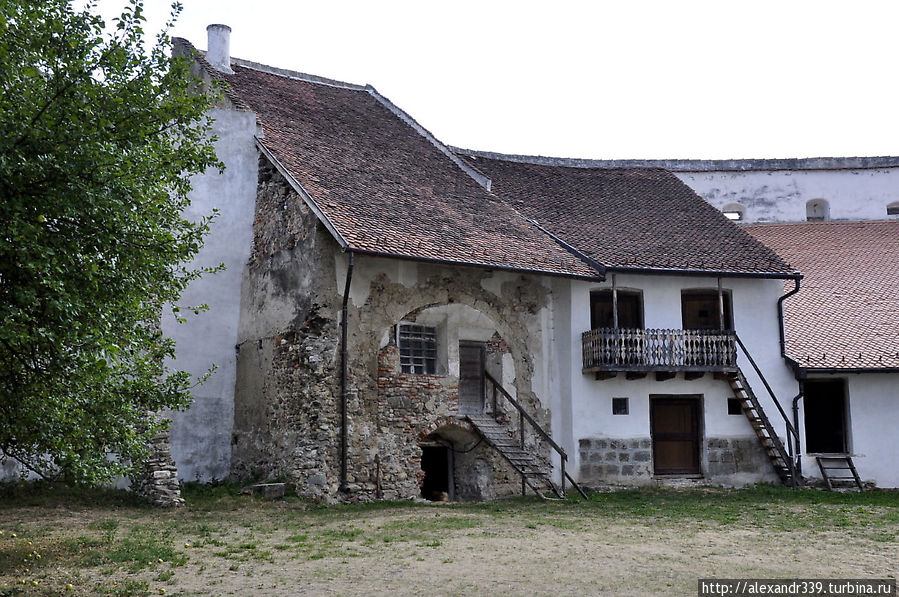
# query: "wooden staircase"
[782,462]
[534,475]
[840,463]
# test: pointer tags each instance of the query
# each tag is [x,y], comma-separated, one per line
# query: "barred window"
[418,348]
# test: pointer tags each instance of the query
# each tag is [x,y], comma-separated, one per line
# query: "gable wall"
[201,436]
[781,195]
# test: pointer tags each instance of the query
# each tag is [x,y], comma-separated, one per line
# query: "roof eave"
[477,264]
[795,275]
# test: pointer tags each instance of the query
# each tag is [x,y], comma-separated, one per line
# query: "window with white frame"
[418,348]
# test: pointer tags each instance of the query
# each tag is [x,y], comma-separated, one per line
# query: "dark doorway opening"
[602,309]
[675,428]
[437,465]
[825,416]
[701,310]
[472,384]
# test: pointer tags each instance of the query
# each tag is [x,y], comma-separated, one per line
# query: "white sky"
[617,79]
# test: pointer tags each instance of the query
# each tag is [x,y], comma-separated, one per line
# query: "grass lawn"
[60,541]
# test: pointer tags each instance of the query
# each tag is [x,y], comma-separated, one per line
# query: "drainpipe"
[780,320]
[343,375]
[797,452]
[797,372]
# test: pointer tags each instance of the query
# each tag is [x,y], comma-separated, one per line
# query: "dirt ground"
[657,543]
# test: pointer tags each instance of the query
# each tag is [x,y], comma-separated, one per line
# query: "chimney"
[219,48]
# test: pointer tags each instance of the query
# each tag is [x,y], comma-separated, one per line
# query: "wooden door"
[472,360]
[675,435]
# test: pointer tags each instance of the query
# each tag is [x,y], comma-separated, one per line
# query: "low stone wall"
[618,461]
[726,461]
[738,460]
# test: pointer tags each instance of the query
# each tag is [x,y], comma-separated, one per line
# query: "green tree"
[100,132]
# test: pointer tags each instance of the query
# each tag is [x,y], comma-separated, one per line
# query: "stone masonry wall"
[738,460]
[726,461]
[616,461]
[287,402]
[286,416]
[412,407]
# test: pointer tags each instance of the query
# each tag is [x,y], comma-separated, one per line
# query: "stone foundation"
[617,461]
[726,461]
[738,460]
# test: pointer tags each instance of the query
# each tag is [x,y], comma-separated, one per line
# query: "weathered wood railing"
[624,349]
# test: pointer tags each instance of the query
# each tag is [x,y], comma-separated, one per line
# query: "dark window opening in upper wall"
[630,309]
[817,210]
[734,211]
[700,310]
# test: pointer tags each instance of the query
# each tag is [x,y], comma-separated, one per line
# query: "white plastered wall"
[756,321]
[871,427]
[781,195]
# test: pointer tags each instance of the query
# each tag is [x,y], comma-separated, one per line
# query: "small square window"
[619,406]
[734,407]
[418,348]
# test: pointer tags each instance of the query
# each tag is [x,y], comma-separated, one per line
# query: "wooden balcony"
[635,350]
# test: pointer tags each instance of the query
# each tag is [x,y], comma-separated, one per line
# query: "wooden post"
[614,302]
[720,305]
[521,426]
[562,460]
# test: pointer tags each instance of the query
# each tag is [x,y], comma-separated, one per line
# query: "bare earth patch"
[627,543]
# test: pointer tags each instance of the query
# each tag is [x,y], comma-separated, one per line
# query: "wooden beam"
[691,375]
[614,302]
[635,374]
[665,375]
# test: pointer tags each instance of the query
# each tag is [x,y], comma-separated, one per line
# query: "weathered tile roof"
[846,313]
[642,218]
[385,187]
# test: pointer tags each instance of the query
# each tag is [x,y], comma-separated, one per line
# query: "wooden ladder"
[783,464]
[838,462]
[499,436]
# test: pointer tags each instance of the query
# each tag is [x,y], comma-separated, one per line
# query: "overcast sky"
[595,79]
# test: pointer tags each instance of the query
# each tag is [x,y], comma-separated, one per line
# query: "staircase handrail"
[525,416]
[790,429]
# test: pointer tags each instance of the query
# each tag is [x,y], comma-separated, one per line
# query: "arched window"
[893,209]
[817,210]
[734,211]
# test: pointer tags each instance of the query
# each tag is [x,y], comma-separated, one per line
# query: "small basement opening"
[437,465]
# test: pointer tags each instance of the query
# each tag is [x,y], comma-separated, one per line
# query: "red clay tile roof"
[846,314]
[385,187]
[388,188]
[643,218]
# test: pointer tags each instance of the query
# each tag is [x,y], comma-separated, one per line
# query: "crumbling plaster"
[781,195]
[287,402]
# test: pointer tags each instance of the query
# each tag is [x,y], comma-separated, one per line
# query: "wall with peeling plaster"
[781,195]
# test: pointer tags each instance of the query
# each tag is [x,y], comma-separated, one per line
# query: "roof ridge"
[478,176]
[297,75]
[539,160]
[700,165]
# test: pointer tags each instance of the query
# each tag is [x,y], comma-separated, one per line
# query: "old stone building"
[410,320]
[402,319]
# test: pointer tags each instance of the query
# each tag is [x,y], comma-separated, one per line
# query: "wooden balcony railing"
[621,349]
